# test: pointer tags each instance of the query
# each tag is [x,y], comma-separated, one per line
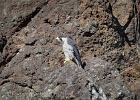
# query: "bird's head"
[61,38]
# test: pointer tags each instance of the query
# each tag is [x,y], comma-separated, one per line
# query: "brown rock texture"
[31,60]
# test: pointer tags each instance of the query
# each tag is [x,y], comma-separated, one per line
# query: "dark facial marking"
[60,37]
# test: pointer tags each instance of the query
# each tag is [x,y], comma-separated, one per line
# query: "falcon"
[70,50]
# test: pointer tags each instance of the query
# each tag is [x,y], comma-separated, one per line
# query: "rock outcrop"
[99,80]
[31,61]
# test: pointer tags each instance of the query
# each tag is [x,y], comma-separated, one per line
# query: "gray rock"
[6,73]
[1,58]
[43,41]
[121,12]
[90,27]
[98,81]
[38,50]
[30,40]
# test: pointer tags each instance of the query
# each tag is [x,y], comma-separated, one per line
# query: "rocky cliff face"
[31,60]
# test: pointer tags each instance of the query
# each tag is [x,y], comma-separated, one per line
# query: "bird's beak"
[57,38]
[57,41]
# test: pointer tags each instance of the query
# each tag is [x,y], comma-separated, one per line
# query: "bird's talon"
[66,60]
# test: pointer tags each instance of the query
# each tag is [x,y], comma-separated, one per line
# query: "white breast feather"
[68,50]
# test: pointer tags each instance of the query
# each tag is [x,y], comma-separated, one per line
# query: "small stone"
[43,41]
[76,24]
[36,88]
[38,50]
[30,40]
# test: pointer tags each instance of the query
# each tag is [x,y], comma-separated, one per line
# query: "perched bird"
[70,50]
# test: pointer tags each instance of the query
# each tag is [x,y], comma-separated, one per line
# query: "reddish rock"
[30,55]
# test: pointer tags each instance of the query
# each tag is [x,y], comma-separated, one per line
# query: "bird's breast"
[67,47]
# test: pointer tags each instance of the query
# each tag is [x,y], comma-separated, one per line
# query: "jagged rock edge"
[28,18]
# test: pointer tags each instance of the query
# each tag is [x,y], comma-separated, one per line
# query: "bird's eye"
[60,39]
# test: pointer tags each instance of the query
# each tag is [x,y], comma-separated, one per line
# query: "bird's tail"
[78,62]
